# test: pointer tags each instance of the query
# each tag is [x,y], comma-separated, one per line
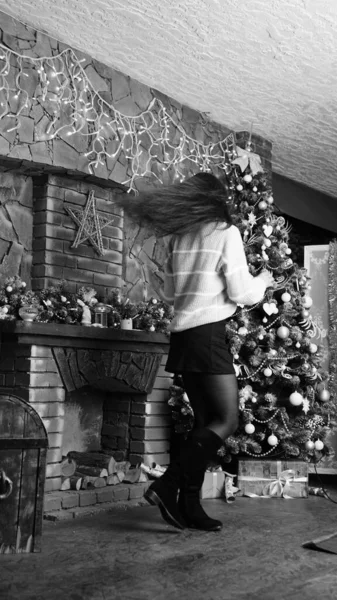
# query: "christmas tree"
[286,409]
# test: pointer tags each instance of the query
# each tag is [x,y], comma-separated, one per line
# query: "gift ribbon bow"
[277,488]
[280,486]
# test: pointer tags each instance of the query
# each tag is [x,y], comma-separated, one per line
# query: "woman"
[206,276]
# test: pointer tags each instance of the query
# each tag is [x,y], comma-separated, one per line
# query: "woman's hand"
[268,278]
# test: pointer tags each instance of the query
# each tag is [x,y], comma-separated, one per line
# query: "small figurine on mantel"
[86,301]
[86,315]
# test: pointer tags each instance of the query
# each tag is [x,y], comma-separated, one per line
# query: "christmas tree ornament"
[298,345]
[255,189]
[248,178]
[269,308]
[267,242]
[296,399]
[9,289]
[270,199]
[306,301]
[283,332]
[305,313]
[286,297]
[272,440]
[267,230]
[262,205]
[264,320]
[288,251]
[239,187]
[305,405]
[310,445]
[324,395]
[273,352]
[267,372]
[313,348]
[90,224]
[249,428]
[319,445]
[242,331]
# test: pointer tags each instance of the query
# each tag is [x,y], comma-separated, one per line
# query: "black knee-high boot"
[199,449]
[164,493]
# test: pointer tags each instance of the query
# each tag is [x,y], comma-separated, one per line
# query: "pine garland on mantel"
[57,304]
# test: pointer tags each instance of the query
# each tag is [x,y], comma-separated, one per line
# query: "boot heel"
[151,497]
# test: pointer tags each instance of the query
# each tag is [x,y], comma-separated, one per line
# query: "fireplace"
[95,389]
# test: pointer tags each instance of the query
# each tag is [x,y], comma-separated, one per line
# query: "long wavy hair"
[180,207]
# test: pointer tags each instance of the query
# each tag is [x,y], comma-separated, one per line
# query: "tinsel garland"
[332,296]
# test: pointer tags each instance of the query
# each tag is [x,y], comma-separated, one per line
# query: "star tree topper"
[90,224]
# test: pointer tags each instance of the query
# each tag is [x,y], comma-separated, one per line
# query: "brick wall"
[54,231]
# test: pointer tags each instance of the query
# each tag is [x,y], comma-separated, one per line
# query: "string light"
[150,137]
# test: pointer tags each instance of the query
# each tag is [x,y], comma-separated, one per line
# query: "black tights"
[214,400]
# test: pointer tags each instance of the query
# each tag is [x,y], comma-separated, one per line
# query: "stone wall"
[25,151]
[16,226]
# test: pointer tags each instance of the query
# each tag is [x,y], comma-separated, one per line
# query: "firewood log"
[75,482]
[94,459]
[91,482]
[68,467]
[65,485]
[91,471]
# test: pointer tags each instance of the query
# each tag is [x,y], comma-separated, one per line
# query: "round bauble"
[324,395]
[9,288]
[272,440]
[154,300]
[267,372]
[302,281]
[242,331]
[286,297]
[313,348]
[270,199]
[319,445]
[254,188]
[298,345]
[267,242]
[249,428]
[239,187]
[305,313]
[264,320]
[272,352]
[283,332]
[288,251]
[296,399]
[309,445]
[248,178]
[261,336]
[152,328]
[236,356]
[262,205]
[306,301]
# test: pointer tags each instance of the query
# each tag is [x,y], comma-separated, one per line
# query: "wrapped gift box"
[213,486]
[273,478]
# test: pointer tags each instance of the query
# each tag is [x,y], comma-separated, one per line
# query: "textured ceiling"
[270,62]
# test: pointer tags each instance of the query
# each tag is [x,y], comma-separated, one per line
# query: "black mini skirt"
[202,349]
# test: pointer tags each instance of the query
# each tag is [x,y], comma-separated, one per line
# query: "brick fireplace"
[95,389]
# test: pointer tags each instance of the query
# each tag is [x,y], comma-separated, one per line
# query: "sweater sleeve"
[242,287]
[166,292]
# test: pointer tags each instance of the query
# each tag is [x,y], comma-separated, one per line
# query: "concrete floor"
[131,554]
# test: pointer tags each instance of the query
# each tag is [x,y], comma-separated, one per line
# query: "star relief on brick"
[90,224]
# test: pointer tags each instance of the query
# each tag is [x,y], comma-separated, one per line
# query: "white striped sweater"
[206,276]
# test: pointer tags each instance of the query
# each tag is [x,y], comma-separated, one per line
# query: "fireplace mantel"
[77,336]
[104,358]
